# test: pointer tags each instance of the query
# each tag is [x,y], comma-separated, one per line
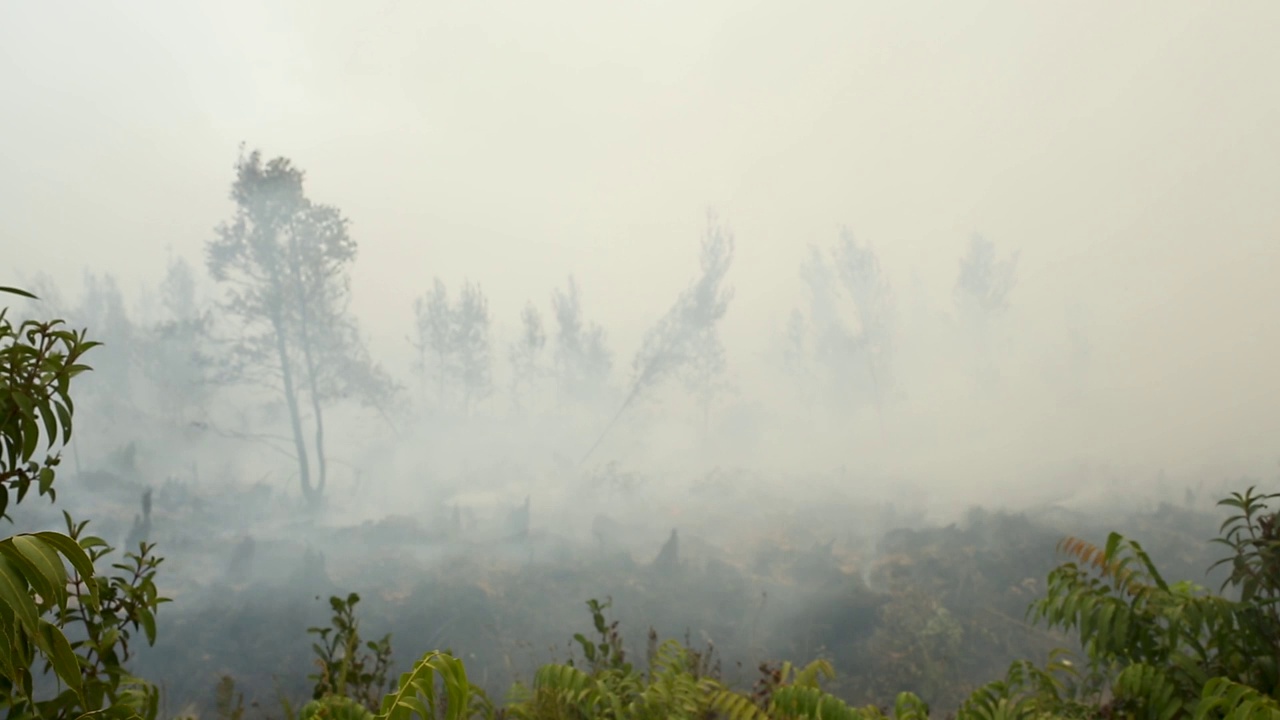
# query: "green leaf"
[16,291]
[15,595]
[75,554]
[64,660]
[30,436]
[63,411]
[32,573]
[46,480]
[43,556]
[148,621]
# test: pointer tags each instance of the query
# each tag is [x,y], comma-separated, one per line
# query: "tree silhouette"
[686,339]
[283,262]
[526,354]
[582,359]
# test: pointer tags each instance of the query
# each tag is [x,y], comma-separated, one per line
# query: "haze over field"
[1126,154]
[746,316]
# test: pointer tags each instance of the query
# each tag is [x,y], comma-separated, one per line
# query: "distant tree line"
[272,341]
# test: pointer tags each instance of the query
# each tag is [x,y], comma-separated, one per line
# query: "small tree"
[433,336]
[582,358]
[982,291]
[686,340]
[704,370]
[456,337]
[526,354]
[985,283]
[471,346]
[859,271]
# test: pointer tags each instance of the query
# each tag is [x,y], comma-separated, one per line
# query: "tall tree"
[284,261]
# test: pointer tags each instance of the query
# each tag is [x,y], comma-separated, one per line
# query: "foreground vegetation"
[1149,647]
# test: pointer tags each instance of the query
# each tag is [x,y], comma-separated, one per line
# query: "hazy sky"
[1129,150]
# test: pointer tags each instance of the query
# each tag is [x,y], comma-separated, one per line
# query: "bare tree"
[686,339]
[705,364]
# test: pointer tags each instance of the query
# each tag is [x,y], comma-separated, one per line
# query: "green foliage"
[1152,648]
[916,645]
[346,671]
[608,652]
[677,686]
[335,707]
[127,603]
[33,584]
[1166,650]
[1028,691]
[418,696]
[1254,538]
[228,703]
[37,363]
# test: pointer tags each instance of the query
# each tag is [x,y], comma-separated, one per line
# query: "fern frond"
[795,701]
[1150,689]
[1230,700]
[908,706]
[416,694]
[1114,562]
[735,706]
[808,675]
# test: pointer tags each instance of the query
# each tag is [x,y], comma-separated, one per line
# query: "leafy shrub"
[38,360]
[1156,649]
[345,671]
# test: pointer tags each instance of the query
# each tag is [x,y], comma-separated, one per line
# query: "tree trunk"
[302,299]
[322,464]
[295,416]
